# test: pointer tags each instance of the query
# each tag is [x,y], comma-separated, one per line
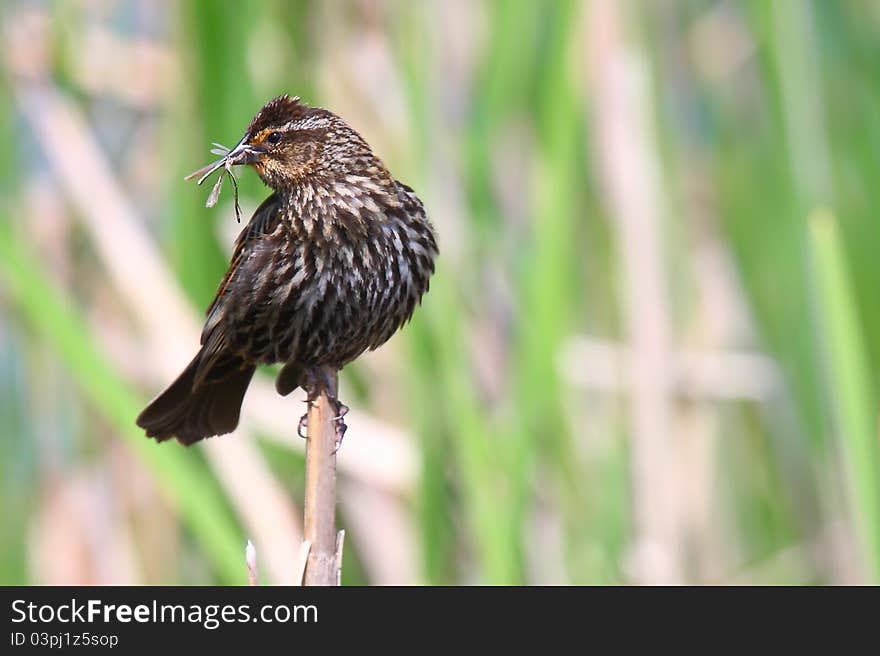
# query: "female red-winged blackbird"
[330,265]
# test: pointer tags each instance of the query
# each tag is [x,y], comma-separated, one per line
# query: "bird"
[329,266]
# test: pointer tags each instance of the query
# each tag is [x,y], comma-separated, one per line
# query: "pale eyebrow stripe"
[302,124]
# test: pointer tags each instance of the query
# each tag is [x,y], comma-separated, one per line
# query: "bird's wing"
[213,340]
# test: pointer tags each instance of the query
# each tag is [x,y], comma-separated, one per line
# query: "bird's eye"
[273,138]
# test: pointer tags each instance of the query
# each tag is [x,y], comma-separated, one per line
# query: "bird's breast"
[324,288]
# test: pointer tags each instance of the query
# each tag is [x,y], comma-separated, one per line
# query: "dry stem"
[250,557]
[320,501]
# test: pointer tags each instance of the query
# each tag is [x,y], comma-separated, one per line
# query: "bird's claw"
[339,423]
[341,410]
[340,433]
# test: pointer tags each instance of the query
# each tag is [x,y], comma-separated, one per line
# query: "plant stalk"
[322,565]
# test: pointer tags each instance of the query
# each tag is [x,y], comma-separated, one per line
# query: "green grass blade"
[852,394]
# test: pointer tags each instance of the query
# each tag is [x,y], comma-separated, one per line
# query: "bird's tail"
[190,411]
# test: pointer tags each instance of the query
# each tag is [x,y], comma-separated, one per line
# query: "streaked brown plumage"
[330,265]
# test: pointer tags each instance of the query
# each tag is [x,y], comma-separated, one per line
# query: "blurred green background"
[649,354]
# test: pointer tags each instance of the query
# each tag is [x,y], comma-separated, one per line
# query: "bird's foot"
[302,427]
[319,381]
[340,410]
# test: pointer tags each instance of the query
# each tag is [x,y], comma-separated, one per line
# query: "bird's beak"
[243,153]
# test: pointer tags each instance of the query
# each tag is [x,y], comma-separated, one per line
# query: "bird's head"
[288,141]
